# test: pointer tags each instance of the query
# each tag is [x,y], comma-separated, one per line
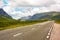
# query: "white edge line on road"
[17,34]
[49,33]
[47,37]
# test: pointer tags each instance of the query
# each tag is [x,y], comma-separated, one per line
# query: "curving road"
[40,31]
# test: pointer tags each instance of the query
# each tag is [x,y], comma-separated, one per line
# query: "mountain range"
[4,16]
[38,16]
[46,15]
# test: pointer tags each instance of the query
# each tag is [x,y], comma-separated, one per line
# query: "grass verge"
[57,21]
[8,25]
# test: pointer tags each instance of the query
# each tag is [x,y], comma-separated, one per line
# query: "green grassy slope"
[7,23]
[3,18]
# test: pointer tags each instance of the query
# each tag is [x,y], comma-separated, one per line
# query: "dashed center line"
[33,28]
[17,34]
[47,37]
[49,33]
[20,33]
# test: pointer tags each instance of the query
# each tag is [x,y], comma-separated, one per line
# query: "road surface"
[40,31]
[55,34]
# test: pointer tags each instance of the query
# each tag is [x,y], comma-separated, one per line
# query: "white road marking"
[47,37]
[17,34]
[48,33]
[50,30]
[33,28]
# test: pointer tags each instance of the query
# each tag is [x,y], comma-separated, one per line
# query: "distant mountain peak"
[2,12]
[46,15]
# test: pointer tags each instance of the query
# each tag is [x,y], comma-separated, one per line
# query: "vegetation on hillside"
[7,22]
[16,23]
[57,21]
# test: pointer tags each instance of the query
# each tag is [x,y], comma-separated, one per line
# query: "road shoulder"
[55,35]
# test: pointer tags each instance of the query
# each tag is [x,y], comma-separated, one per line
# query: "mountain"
[25,18]
[4,16]
[2,12]
[57,17]
[47,15]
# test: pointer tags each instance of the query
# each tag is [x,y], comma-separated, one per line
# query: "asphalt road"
[40,31]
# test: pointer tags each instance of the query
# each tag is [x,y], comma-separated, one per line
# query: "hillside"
[46,15]
[3,13]
[4,16]
[5,19]
[6,22]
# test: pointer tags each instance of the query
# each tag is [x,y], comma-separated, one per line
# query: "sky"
[22,8]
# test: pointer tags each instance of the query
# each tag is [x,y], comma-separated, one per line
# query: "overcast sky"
[21,8]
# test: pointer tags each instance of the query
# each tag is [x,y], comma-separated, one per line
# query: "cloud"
[21,8]
[57,1]
[17,15]
[8,9]
[32,2]
[55,7]
[1,4]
